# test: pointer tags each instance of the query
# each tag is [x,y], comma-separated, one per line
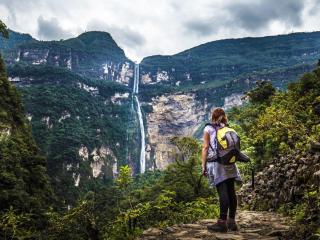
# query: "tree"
[24,184]
[4,30]
[184,176]
[124,182]
[262,92]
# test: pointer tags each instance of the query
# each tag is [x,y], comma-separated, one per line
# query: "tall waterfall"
[135,92]
[136,79]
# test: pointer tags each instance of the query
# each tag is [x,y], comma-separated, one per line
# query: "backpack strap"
[211,147]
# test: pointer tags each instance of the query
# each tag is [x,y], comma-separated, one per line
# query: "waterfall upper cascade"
[136,79]
[141,124]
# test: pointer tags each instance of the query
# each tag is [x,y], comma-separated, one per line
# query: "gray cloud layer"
[258,14]
[125,36]
[251,16]
[144,27]
[51,29]
[201,27]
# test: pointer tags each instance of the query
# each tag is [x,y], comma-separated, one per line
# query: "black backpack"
[228,142]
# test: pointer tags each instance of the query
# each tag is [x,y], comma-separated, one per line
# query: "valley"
[93,110]
[96,146]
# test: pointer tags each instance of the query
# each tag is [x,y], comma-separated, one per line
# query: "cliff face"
[78,61]
[92,54]
[172,115]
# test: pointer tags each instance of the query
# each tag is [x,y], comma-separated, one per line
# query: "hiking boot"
[220,226]
[231,224]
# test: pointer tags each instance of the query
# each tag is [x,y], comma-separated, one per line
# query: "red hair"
[219,116]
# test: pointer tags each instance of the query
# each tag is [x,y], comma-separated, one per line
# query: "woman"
[223,177]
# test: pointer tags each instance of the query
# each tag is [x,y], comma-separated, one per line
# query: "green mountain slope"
[25,192]
[14,40]
[77,100]
[77,94]
[79,125]
[225,60]
[23,169]
[92,54]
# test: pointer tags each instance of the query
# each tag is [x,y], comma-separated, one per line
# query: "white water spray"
[143,144]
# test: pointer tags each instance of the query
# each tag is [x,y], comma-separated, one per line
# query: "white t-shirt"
[213,141]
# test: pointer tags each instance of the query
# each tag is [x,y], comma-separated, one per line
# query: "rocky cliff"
[172,115]
[91,54]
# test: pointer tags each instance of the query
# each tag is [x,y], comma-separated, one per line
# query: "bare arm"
[206,140]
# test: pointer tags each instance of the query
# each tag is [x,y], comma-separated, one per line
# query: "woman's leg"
[232,198]
[222,189]
[221,225]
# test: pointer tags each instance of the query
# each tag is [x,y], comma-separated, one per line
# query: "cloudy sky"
[148,27]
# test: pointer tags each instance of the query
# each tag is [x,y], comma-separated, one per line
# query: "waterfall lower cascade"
[135,95]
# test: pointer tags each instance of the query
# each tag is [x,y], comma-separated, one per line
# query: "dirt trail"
[252,225]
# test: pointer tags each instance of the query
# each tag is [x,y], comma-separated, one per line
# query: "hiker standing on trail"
[220,175]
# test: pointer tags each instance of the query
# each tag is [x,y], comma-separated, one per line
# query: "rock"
[188,238]
[192,226]
[206,221]
[202,234]
[255,230]
[180,233]
[221,236]
[315,146]
[302,161]
[276,233]
[285,179]
[286,167]
[172,115]
[317,174]
[169,230]
[152,232]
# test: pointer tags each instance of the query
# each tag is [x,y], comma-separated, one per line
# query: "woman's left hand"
[204,171]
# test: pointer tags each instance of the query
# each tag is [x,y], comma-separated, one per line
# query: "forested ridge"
[273,124]
[76,118]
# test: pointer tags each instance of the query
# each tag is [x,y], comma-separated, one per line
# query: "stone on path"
[252,225]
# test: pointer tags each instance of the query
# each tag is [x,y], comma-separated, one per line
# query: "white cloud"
[146,27]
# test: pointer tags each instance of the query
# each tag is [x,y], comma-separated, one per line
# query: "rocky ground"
[252,225]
